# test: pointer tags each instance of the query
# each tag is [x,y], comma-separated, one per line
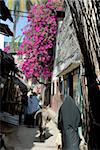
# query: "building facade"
[76,69]
[66,73]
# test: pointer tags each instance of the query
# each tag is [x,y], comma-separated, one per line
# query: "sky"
[20,24]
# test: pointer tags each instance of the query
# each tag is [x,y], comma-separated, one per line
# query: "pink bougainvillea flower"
[39,37]
[7,49]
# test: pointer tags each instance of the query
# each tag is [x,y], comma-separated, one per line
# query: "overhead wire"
[19,11]
[22,12]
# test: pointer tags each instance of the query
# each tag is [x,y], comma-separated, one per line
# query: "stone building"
[76,68]
[66,73]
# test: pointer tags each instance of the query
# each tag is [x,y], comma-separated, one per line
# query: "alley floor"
[24,138]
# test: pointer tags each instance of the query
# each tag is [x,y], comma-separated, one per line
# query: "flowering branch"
[39,38]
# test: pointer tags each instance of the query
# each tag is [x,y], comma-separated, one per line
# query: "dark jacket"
[69,120]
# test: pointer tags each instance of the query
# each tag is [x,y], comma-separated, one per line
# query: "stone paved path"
[24,138]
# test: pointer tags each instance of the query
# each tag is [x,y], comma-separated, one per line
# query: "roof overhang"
[71,67]
[5,30]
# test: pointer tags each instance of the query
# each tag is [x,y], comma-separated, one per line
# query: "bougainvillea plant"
[7,48]
[39,38]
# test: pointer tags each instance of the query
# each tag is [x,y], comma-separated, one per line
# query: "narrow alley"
[49,74]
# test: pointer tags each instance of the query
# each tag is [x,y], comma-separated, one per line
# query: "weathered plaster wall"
[67,48]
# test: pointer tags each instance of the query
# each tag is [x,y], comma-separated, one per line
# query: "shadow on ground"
[23,138]
[43,138]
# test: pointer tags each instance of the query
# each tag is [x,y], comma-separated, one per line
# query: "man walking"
[33,107]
